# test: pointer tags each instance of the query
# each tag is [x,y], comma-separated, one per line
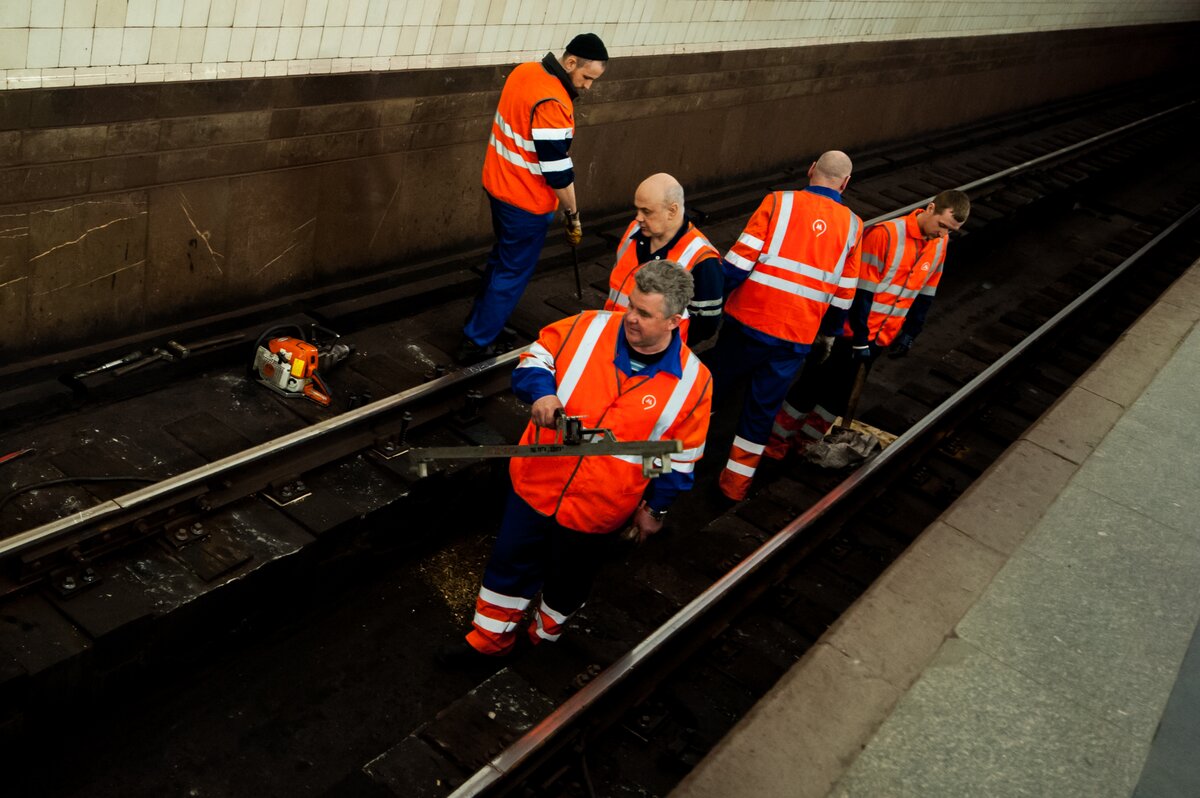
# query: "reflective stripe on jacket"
[801,251]
[691,248]
[599,493]
[534,105]
[898,265]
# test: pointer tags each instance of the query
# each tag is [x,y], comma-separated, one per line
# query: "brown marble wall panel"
[10,146]
[14,109]
[306,150]
[272,231]
[14,285]
[125,172]
[436,212]
[188,246]
[452,132]
[330,118]
[397,112]
[388,139]
[63,144]
[207,131]
[129,137]
[260,187]
[87,262]
[457,106]
[45,181]
[357,215]
[204,162]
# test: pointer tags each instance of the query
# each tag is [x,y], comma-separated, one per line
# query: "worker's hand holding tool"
[645,523]
[821,347]
[861,353]
[544,410]
[573,227]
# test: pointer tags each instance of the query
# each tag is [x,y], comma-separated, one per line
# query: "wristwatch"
[657,515]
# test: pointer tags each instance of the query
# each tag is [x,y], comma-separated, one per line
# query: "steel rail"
[195,479]
[1038,161]
[559,722]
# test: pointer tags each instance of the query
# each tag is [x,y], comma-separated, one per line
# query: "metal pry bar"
[572,439]
[656,455]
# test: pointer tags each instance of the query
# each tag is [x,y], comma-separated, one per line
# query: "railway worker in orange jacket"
[627,372]
[790,274]
[528,174]
[662,231]
[902,262]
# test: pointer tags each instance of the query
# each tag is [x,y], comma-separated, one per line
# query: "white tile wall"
[110,13]
[79,14]
[91,42]
[47,14]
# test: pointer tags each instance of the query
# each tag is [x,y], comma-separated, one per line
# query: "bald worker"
[790,276]
[662,231]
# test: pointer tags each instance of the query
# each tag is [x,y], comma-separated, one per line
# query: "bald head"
[831,170]
[661,188]
[659,202]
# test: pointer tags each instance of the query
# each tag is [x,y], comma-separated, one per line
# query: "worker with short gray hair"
[630,373]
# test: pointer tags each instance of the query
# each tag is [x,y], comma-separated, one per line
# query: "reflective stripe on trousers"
[739,470]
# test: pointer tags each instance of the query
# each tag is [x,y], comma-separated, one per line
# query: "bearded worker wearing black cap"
[528,175]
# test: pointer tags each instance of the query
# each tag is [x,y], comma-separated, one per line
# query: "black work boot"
[461,654]
[469,352]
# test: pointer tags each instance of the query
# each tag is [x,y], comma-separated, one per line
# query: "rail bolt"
[181,534]
[68,583]
[88,576]
[470,408]
[300,487]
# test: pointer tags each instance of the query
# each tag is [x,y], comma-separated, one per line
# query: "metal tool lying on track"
[173,351]
[572,439]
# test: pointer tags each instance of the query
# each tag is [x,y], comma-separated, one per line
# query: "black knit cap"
[587,46]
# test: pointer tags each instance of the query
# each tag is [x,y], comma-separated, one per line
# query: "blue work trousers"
[828,385]
[533,553]
[770,369]
[519,239]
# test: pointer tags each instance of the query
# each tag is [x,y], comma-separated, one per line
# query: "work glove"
[901,345]
[573,228]
[820,349]
[860,353]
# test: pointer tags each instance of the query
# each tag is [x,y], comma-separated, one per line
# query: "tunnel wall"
[132,205]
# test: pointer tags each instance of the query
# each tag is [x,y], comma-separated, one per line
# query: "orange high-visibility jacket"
[898,265]
[801,249]
[691,248]
[598,494]
[533,105]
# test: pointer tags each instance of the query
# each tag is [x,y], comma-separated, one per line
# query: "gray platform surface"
[1041,638]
